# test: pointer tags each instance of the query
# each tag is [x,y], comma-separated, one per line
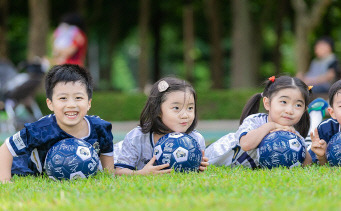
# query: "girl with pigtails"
[285,99]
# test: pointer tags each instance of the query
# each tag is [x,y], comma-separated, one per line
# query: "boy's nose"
[71,103]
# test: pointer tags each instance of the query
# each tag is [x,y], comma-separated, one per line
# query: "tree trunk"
[280,14]
[38,28]
[143,72]
[216,58]
[188,30]
[243,73]
[156,27]
[3,29]
[306,21]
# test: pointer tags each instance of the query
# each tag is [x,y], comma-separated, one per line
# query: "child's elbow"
[245,146]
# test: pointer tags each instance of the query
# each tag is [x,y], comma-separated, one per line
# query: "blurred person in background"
[70,41]
[324,68]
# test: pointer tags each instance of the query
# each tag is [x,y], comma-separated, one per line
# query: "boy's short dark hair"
[67,73]
[334,89]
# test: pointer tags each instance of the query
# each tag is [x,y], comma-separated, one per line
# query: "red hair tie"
[272,79]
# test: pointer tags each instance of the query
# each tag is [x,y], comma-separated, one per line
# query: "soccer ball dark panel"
[71,158]
[334,150]
[180,150]
[281,148]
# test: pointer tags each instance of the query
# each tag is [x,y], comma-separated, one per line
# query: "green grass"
[220,188]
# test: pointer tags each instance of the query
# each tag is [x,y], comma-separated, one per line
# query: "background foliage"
[116,106]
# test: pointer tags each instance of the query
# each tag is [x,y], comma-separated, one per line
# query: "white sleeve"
[129,154]
[250,123]
[199,138]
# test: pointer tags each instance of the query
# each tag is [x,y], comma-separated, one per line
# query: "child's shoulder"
[196,134]
[136,132]
[42,122]
[96,120]
[329,124]
[258,118]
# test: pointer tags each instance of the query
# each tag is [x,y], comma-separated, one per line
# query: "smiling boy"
[69,94]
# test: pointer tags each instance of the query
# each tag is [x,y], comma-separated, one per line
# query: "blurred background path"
[211,129]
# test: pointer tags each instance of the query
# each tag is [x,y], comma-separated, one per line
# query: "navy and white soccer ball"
[281,148]
[70,159]
[180,150]
[333,152]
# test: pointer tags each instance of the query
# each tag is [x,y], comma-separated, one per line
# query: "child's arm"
[319,147]
[252,139]
[107,163]
[308,160]
[6,160]
[147,169]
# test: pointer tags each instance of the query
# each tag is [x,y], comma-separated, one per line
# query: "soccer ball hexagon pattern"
[281,148]
[180,150]
[333,152]
[70,159]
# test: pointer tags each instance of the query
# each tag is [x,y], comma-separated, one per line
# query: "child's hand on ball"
[204,163]
[149,168]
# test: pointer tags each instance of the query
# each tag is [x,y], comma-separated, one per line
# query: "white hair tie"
[162,86]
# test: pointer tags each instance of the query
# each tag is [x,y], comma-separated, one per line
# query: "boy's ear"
[89,104]
[266,103]
[331,112]
[49,104]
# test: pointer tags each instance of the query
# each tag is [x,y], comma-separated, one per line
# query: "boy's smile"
[70,103]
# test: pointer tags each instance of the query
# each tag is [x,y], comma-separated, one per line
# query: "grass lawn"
[220,188]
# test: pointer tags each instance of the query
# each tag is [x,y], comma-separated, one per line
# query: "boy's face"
[335,109]
[70,103]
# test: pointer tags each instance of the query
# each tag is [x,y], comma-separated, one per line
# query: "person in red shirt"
[70,41]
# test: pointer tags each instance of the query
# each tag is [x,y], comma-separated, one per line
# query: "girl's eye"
[176,108]
[62,98]
[283,101]
[190,108]
[299,105]
[79,98]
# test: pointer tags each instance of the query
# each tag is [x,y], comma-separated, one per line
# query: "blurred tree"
[307,18]
[216,51]
[156,23]
[281,9]
[38,28]
[3,28]
[143,73]
[188,37]
[243,71]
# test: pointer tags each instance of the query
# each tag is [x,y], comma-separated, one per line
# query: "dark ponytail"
[251,107]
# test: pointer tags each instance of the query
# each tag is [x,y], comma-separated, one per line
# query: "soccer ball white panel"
[77,175]
[175,135]
[180,155]
[83,153]
[295,144]
[157,151]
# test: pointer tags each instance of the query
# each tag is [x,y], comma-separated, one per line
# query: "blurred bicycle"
[17,94]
